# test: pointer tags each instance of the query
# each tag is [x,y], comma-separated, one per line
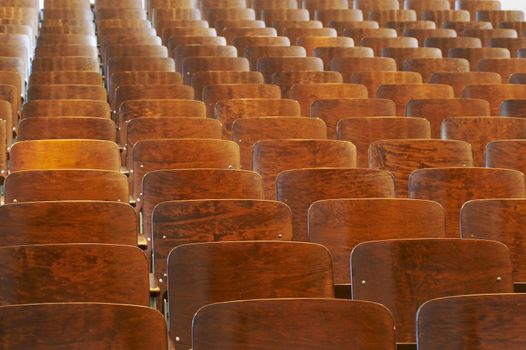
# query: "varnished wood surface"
[445,44]
[312,42]
[66,108]
[348,65]
[512,44]
[148,92]
[64,154]
[513,108]
[232,33]
[288,79]
[474,55]
[504,67]
[401,94]
[204,78]
[480,131]
[68,222]
[260,324]
[253,53]
[395,273]
[508,154]
[271,157]
[306,94]
[51,185]
[65,77]
[377,44]
[246,132]
[244,42]
[437,109]
[269,65]
[374,79]
[489,321]
[400,54]
[427,66]
[66,128]
[341,224]
[81,325]
[485,35]
[422,34]
[402,157]
[66,50]
[382,16]
[67,92]
[358,33]
[272,15]
[203,273]
[328,53]
[83,64]
[452,187]
[302,187]
[459,80]
[73,272]
[193,65]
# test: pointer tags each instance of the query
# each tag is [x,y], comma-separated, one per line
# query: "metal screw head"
[499,279]
[280,235]
[14,200]
[164,237]
[363,282]
[177,339]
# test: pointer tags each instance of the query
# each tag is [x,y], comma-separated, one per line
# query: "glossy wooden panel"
[246,132]
[459,80]
[66,128]
[200,80]
[383,16]
[402,54]
[244,42]
[192,65]
[65,77]
[422,34]
[202,273]
[65,108]
[474,55]
[78,325]
[349,65]
[269,65]
[401,94]
[505,154]
[182,52]
[427,66]
[374,79]
[302,187]
[67,92]
[84,64]
[402,157]
[52,185]
[326,15]
[312,42]
[504,67]
[452,187]
[328,53]
[268,324]
[142,78]
[374,5]
[485,35]
[395,273]
[496,17]
[445,44]
[253,53]
[148,92]
[377,44]
[358,33]
[341,224]
[512,44]
[442,16]
[513,108]
[474,6]
[288,79]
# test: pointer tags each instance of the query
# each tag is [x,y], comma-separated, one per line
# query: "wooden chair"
[107,13]
[398,276]
[171,32]
[147,92]
[505,67]
[50,272]
[360,33]
[382,16]
[64,154]
[496,154]
[73,222]
[271,157]
[214,14]
[328,53]
[452,187]
[401,94]
[517,78]
[247,132]
[272,15]
[428,66]
[446,44]
[423,34]
[45,64]
[312,42]
[269,65]
[150,155]
[260,317]
[163,14]
[430,5]
[459,80]
[65,108]
[215,93]
[326,15]
[67,39]
[374,79]
[243,42]
[512,44]
[513,108]
[490,333]
[142,50]
[374,5]
[363,131]
[67,92]
[300,188]
[286,80]
[485,35]
[254,53]
[349,65]
[260,5]
[401,157]
[66,50]
[403,26]
[474,6]
[306,94]
[54,325]
[192,65]
[495,94]
[175,223]
[175,42]
[377,44]
[184,51]
[517,25]
[65,77]
[224,25]
[341,224]
[437,109]
[497,17]
[229,110]
[475,55]
[131,63]
[66,128]
[231,34]
[333,110]
[442,16]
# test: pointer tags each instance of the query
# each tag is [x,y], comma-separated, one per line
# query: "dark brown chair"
[403,93]
[312,42]
[231,34]
[55,325]
[374,79]
[375,5]
[269,322]
[459,80]
[203,273]
[341,224]
[395,273]
[294,33]
[326,15]
[301,187]
[495,94]
[402,26]
[452,187]
[66,108]
[513,108]
[213,14]
[505,154]
[66,128]
[503,66]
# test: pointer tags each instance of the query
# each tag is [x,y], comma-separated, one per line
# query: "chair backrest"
[65,77]
[427,66]
[73,272]
[378,43]
[504,66]
[254,53]
[302,187]
[203,273]
[271,157]
[66,63]
[160,108]
[56,325]
[64,154]
[401,157]
[147,92]
[268,323]
[513,107]
[328,53]
[66,128]
[66,50]
[449,322]
[66,108]
[452,187]
[341,224]
[474,55]
[286,80]
[202,79]
[401,54]
[67,92]
[374,79]
[52,185]
[401,94]
[459,80]
[192,65]
[269,65]
[505,154]
[395,273]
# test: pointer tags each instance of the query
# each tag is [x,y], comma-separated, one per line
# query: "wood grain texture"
[373,5]
[378,43]
[402,157]
[374,79]
[445,44]
[452,187]
[213,77]
[244,42]
[459,80]
[6,123]
[401,94]
[331,111]
[203,273]
[382,16]
[271,157]
[253,53]
[506,154]
[174,42]
[215,93]
[504,67]
[294,33]
[459,27]
[489,321]
[83,64]
[149,155]
[485,35]
[66,108]
[427,66]
[65,77]
[474,7]
[358,33]
[68,222]
[341,224]
[215,13]
[474,55]
[480,131]
[67,92]
[73,272]
[349,65]
[64,154]
[193,65]
[122,64]
[327,14]
[422,34]
[269,65]
[148,92]
[362,131]
[328,53]
[443,16]
[312,42]
[136,50]
[513,108]
[497,17]
[437,109]
[259,324]
[77,325]
[272,15]
[52,185]
[209,220]
[517,78]
[302,187]
[400,54]
[10,94]
[169,32]
[288,79]
[66,128]
[395,273]
[66,50]
[232,33]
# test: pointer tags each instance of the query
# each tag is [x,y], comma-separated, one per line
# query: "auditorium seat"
[427,66]
[147,92]
[503,66]
[349,65]
[65,77]
[459,80]
[202,79]
[474,55]
[495,94]
[401,94]
[254,53]
[192,65]
[513,108]
[269,65]
[66,92]
[65,108]
[374,79]
[66,128]
[286,80]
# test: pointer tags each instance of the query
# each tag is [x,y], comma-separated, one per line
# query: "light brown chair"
[328,53]
[474,6]
[285,80]
[272,15]
[184,51]
[312,42]
[503,66]
[513,108]
[403,26]
[497,17]
[459,80]
[326,15]
[243,42]
[202,79]
[403,93]
[66,50]
[374,79]
[359,33]
[377,44]
[66,108]
[445,44]
[383,16]
[66,128]
[65,77]
[428,66]
[402,54]
[295,33]
[66,92]
[192,65]
[253,53]
[512,44]
[475,55]
[423,34]
[146,92]
[349,65]
[485,35]
[495,94]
